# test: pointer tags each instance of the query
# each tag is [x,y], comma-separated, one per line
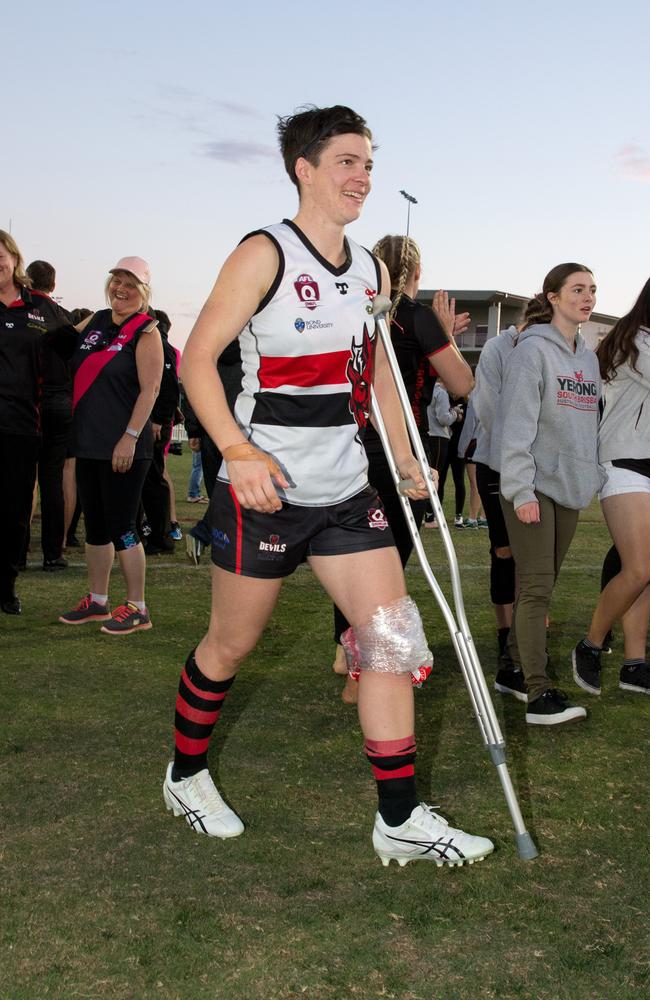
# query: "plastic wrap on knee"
[392,642]
[502,579]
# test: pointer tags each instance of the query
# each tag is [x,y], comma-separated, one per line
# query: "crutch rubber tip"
[525,847]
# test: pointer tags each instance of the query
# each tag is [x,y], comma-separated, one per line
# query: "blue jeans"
[196,475]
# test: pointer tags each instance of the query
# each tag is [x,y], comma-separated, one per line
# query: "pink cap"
[135,266]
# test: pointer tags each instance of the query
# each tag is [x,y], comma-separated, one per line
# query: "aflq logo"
[307,290]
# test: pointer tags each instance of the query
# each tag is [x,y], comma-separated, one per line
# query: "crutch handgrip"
[406,484]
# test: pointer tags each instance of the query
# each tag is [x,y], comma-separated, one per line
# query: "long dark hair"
[618,347]
[539,309]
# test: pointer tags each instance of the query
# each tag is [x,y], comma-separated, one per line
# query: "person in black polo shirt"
[56,426]
[27,321]
[117,370]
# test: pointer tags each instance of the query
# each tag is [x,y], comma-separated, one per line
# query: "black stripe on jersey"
[336,271]
[304,410]
[279,273]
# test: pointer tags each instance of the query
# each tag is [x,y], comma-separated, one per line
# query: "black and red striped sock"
[198,705]
[393,765]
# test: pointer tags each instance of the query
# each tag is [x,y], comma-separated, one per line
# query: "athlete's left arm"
[149,360]
[383,386]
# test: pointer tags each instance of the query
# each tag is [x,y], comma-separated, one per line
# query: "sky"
[148,128]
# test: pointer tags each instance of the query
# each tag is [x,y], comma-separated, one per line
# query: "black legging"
[110,501]
[379,476]
[457,466]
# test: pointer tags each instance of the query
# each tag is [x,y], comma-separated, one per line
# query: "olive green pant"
[538,550]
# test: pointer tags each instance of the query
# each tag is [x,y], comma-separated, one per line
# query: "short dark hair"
[42,275]
[307,132]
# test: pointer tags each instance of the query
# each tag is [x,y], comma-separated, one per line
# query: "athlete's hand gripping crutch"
[457,625]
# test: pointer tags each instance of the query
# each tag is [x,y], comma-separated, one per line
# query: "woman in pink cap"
[117,367]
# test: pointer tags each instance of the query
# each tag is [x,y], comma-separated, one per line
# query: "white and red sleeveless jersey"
[307,368]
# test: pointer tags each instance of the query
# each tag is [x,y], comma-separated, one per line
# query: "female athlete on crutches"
[293,485]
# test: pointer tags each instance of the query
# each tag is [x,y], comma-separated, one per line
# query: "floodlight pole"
[411,201]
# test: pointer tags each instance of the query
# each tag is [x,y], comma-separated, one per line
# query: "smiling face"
[124,295]
[7,267]
[340,182]
[575,301]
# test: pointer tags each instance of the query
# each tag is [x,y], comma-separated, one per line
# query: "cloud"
[178,93]
[634,162]
[229,151]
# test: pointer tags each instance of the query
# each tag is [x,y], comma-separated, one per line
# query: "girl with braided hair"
[423,339]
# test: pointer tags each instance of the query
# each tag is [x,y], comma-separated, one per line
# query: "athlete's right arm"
[242,283]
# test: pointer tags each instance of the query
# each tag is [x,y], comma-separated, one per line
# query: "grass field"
[104,895]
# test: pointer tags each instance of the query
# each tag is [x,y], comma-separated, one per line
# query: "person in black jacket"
[56,429]
[27,321]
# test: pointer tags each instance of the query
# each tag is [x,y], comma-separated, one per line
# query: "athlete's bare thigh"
[361,582]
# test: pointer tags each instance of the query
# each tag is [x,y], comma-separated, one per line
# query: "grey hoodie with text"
[547,420]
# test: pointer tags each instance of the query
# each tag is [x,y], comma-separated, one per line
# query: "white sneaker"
[198,800]
[427,835]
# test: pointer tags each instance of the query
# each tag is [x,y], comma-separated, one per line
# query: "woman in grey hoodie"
[624,450]
[546,453]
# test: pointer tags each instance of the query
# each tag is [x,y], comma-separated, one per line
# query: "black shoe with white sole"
[552,709]
[635,677]
[586,667]
[510,680]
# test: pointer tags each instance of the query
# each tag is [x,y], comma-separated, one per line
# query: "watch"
[132,433]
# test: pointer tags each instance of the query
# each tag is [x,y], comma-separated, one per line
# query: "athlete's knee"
[391,642]
[224,650]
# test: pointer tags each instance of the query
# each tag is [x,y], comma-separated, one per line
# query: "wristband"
[249,453]
[132,433]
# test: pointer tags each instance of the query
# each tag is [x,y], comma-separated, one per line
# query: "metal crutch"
[458,626]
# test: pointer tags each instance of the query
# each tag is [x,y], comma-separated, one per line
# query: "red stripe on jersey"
[238,540]
[307,370]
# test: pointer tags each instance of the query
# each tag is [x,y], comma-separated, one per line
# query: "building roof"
[492,298]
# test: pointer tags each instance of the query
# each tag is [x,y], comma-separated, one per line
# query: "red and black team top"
[416,334]
[29,327]
[106,386]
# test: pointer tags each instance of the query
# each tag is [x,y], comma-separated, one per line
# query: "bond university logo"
[307,291]
[220,538]
[576,391]
[359,373]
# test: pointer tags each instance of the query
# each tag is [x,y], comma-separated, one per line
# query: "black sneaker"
[54,565]
[552,708]
[510,680]
[607,643]
[11,605]
[586,667]
[635,678]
